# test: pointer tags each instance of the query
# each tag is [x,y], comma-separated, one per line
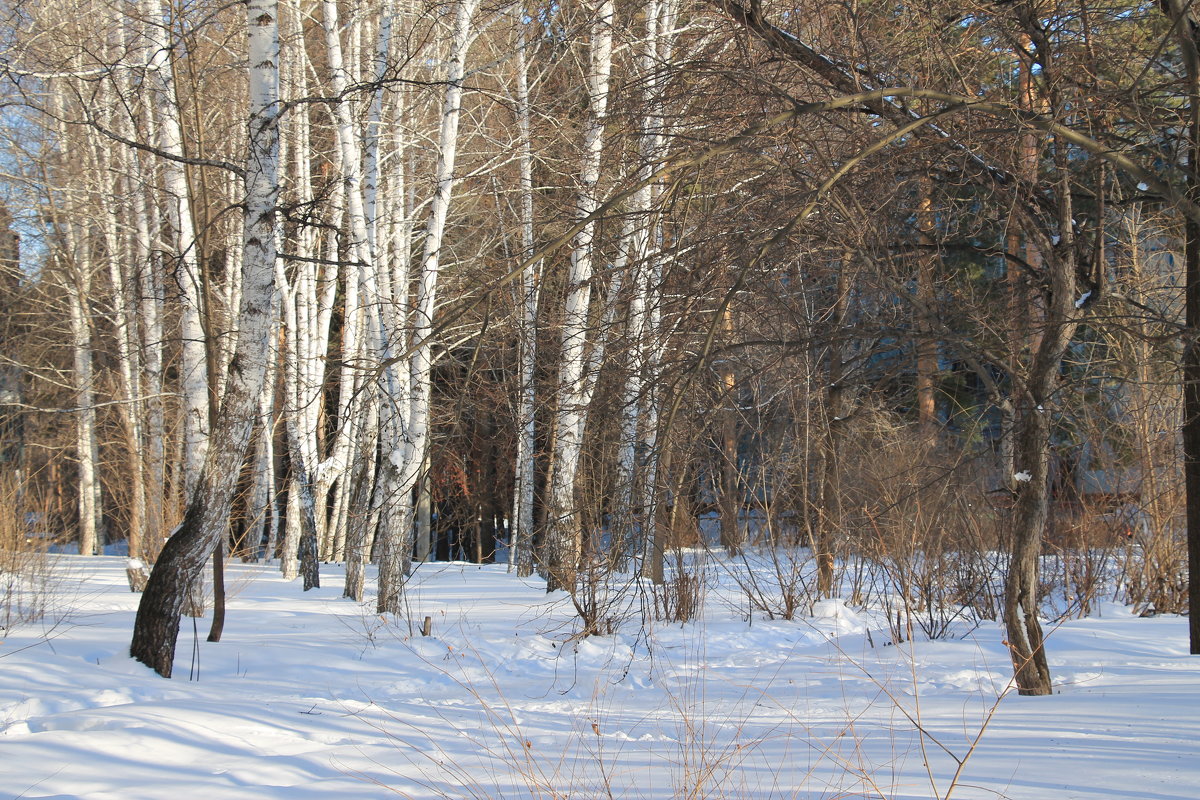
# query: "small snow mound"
[1112,610]
[135,563]
[1022,476]
[601,650]
[845,620]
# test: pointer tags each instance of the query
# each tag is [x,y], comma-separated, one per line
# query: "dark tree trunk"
[1191,399]
[177,568]
[1191,351]
[1025,637]
[218,621]
[1185,27]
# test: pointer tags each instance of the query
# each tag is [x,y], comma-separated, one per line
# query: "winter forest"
[882,307]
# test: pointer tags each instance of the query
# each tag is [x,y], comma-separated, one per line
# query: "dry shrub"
[1154,560]
[779,581]
[919,513]
[25,568]
[603,598]
[680,597]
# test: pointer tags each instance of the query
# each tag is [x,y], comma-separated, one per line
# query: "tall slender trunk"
[1185,27]
[1034,392]
[77,284]
[194,359]
[370,337]
[402,465]
[207,516]
[641,265]
[563,534]
[124,321]
[1032,458]
[261,510]
[837,410]
[523,490]
[649,328]
[729,497]
[927,345]
[1022,303]
[147,283]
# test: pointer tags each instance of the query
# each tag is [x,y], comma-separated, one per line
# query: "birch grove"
[577,286]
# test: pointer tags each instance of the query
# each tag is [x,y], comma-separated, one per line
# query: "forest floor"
[312,695]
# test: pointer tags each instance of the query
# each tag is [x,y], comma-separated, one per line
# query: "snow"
[1023,476]
[1142,187]
[1083,298]
[311,695]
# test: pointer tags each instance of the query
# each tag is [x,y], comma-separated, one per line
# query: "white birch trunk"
[522,520]
[250,376]
[193,362]
[207,517]
[121,264]
[75,275]
[261,500]
[149,312]
[361,333]
[362,519]
[77,284]
[307,302]
[563,533]
[403,465]
[639,406]
[146,282]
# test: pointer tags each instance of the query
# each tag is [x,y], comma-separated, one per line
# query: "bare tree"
[207,516]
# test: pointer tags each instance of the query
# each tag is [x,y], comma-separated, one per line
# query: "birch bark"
[563,532]
[396,538]
[643,268]
[207,516]
[193,363]
[522,524]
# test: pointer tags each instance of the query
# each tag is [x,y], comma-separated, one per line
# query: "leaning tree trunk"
[207,516]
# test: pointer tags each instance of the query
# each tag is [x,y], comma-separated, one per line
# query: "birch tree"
[563,534]
[523,494]
[406,460]
[157,21]
[207,516]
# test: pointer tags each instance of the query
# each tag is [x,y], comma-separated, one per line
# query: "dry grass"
[25,565]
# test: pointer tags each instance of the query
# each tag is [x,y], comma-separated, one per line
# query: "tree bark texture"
[563,543]
[207,517]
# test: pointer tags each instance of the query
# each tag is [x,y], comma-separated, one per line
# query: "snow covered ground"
[311,695]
